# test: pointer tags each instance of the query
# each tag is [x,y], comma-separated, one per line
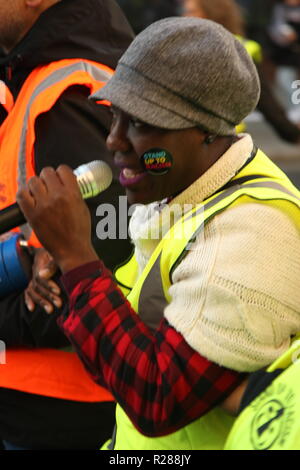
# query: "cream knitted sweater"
[236,297]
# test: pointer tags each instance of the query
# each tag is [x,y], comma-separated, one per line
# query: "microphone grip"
[11,217]
[92,179]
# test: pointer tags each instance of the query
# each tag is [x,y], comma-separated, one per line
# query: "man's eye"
[137,124]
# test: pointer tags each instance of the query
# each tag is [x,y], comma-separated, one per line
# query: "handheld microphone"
[92,178]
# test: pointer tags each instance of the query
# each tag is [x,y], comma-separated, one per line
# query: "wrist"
[71,278]
[77,259]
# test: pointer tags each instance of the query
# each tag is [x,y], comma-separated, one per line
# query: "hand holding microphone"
[92,179]
[53,205]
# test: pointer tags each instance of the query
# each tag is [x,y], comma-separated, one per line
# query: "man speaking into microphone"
[215,296]
[54,54]
[92,178]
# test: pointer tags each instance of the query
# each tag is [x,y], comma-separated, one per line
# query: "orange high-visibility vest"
[48,372]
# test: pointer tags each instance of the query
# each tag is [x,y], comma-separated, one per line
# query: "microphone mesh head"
[93,178]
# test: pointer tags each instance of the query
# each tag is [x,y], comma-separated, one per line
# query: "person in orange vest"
[54,54]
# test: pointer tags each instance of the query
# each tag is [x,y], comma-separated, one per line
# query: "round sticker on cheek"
[157,161]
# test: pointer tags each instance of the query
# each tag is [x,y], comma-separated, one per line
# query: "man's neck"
[28,24]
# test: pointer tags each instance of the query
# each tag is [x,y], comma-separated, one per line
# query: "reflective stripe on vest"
[99,75]
[39,93]
[47,372]
[150,295]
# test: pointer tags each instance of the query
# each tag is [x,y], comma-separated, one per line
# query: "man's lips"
[130,176]
[130,171]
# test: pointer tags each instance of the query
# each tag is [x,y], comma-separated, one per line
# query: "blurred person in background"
[257,14]
[228,14]
[284,31]
[141,13]
[55,53]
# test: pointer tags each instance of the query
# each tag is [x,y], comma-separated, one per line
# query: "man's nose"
[117,140]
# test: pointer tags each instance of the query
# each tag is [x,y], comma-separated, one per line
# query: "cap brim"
[143,99]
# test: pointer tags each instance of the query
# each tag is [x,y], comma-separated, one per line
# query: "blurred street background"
[280,64]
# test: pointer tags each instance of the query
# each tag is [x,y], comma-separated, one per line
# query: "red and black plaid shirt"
[158,379]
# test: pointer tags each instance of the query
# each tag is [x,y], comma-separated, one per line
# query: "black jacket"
[72,132]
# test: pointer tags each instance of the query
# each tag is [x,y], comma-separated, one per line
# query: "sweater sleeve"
[158,379]
[235,297]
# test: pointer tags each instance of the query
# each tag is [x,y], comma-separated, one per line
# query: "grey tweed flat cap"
[185,72]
